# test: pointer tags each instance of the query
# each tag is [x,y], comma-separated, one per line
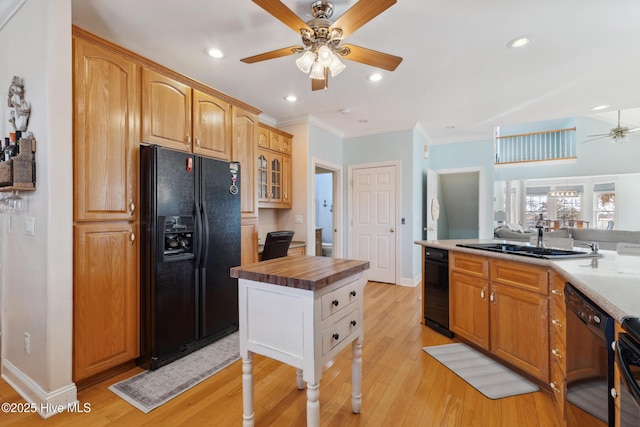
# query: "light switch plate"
[297,219]
[30,226]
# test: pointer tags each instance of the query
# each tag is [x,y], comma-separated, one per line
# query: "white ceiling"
[457,70]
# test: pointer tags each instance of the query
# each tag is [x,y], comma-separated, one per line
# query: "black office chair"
[277,244]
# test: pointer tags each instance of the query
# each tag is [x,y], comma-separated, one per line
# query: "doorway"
[327,191]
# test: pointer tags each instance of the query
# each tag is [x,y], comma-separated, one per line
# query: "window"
[535,204]
[605,205]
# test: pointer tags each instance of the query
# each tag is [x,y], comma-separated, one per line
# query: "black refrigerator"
[190,231]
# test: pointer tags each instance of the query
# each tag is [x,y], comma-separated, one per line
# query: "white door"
[432,207]
[374,221]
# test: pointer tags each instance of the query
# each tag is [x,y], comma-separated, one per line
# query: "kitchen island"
[302,311]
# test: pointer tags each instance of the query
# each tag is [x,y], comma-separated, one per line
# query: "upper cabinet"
[211,126]
[106,134]
[176,116]
[243,150]
[274,168]
[166,111]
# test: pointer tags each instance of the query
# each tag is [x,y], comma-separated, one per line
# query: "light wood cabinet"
[105,159]
[249,241]
[557,343]
[176,116]
[211,126]
[502,307]
[243,150]
[274,168]
[106,297]
[105,248]
[166,111]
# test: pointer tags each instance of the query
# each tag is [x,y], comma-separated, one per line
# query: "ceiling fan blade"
[634,130]
[372,57]
[599,135]
[317,84]
[285,51]
[595,139]
[361,13]
[283,14]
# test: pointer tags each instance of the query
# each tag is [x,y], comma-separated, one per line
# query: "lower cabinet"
[502,309]
[248,241]
[106,297]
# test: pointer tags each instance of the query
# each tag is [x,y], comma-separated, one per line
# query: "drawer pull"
[554,387]
[353,293]
[556,292]
[354,323]
[336,336]
[335,302]
[556,322]
[556,353]
[614,393]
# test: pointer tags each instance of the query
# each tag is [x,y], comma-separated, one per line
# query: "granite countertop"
[301,271]
[612,281]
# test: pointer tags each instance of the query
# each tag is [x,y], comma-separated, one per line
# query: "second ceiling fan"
[321,39]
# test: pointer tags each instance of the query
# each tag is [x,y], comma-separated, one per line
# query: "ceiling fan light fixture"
[336,66]
[317,71]
[519,42]
[305,62]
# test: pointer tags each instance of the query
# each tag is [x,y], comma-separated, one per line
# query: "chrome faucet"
[540,227]
[593,245]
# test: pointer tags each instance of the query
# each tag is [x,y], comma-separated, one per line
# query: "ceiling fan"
[616,135]
[321,39]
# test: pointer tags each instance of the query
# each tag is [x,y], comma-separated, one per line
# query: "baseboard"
[44,403]
[410,282]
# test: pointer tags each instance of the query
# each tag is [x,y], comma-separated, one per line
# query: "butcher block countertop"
[301,271]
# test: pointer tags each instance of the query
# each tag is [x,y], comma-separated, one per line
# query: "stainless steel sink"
[530,251]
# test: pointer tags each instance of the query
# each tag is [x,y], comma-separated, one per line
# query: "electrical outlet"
[27,343]
[297,219]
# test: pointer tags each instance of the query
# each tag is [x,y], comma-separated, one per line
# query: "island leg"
[356,375]
[313,405]
[247,390]
[299,379]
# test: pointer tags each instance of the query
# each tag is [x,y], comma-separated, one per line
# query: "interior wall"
[324,205]
[461,199]
[37,273]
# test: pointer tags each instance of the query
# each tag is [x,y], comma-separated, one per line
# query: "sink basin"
[531,251]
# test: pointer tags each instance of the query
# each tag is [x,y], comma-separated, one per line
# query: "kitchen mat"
[483,373]
[150,389]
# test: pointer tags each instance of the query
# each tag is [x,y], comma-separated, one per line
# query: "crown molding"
[8,8]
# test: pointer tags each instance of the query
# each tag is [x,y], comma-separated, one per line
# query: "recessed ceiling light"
[215,53]
[599,107]
[376,77]
[519,42]
[291,98]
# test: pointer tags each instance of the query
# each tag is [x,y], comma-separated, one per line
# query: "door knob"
[392,230]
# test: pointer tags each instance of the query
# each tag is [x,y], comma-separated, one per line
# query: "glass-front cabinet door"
[262,178]
[276,179]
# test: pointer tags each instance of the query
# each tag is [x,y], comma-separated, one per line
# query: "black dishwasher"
[436,290]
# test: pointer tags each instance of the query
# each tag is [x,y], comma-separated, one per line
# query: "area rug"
[483,373]
[150,389]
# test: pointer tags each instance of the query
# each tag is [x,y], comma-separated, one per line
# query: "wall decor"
[20,108]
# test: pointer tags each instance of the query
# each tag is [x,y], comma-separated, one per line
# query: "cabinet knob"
[132,237]
[556,353]
[483,292]
[614,393]
[336,336]
[492,296]
[556,292]
[354,323]
[132,207]
[335,302]
[556,322]
[555,387]
[353,293]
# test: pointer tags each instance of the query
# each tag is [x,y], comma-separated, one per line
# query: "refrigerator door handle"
[199,236]
[205,232]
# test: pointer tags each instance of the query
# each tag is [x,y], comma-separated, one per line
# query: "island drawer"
[339,299]
[520,275]
[473,265]
[339,331]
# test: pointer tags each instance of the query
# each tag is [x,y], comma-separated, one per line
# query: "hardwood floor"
[402,386]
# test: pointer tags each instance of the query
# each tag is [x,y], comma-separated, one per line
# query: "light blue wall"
[467,155]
